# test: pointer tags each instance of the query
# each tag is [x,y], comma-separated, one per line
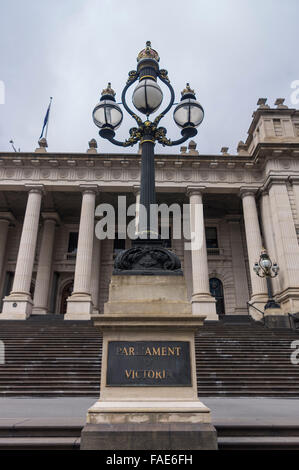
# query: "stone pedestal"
[153,295]
[276,318]
[148,380]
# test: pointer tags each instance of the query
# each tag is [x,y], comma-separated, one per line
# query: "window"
[277,127]
[211,238]
[73,243]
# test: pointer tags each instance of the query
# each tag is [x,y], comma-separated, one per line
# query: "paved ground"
[267,411]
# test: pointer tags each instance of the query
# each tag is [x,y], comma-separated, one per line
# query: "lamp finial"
[108,90]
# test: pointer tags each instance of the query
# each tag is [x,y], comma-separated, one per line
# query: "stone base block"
[39,311]
[277,321]
[276,318]
[148,412]
[146,295]
[152,425]
[79,307]
[16,307]
[174,436]
[205,306]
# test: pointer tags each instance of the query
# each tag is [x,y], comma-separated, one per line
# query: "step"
[258,443]
[40,443]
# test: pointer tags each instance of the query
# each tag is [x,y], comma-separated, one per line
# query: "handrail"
[260,311]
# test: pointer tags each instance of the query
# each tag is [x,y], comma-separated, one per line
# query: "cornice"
[272,180]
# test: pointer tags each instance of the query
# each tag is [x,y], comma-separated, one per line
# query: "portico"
[51,262]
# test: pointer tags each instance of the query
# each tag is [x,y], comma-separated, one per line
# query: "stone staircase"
[50,357]
[66,436]
[246,360]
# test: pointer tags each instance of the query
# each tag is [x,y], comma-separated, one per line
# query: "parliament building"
[52,263]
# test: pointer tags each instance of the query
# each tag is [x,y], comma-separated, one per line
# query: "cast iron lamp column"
[148,256]
[265,268]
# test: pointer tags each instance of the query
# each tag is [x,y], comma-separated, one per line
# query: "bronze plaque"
[148,364]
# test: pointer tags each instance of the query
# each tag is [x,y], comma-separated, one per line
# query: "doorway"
[216,290]
[66,292]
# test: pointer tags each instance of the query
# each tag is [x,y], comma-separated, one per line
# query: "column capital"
[247,191]
[35,188]
[8,216]
[198,190]
[89,188]
[136,189]
[293,179]
[51,216]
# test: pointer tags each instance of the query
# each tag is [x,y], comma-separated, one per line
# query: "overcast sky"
[231,51]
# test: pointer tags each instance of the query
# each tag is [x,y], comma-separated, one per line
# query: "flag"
[46,120]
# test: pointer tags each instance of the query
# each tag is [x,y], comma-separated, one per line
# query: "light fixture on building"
[265,268]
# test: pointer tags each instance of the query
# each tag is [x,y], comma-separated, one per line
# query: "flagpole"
[48,117]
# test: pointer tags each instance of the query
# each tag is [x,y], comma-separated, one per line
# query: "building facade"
[50,258]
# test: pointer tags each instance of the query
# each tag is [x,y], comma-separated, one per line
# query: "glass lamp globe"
[188,113]
[147,96]
[107,113]
[266,263]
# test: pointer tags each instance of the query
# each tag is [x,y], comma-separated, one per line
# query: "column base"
[79,307]
[16,307]
[39,311]
[155,425]
[95,313]
[204,305]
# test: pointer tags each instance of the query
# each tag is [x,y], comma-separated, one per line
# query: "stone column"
[18,305]
[43,276]
[6,218]
[239,268]
[79,304]
[254,248]
[295,182]
[202,301]
[268,233]
[95,275]
[286,243]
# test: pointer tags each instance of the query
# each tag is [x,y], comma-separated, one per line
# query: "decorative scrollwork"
[148,260]
[160,136]
[164,74]
[132,76]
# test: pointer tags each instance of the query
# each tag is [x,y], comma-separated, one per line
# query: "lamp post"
[265,268]
[148,254]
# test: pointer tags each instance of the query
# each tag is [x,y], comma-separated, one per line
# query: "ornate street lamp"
[148,255]
[265,268]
